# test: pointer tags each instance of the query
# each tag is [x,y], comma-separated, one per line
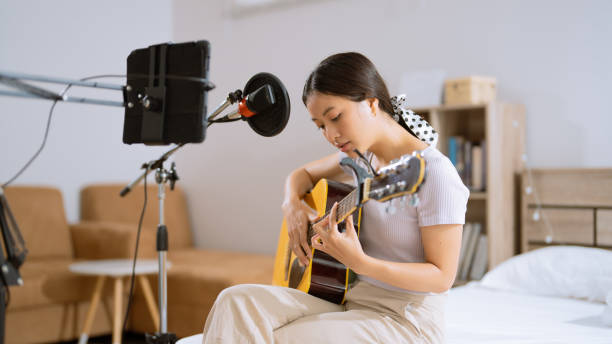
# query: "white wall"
[73,39]
[551,56]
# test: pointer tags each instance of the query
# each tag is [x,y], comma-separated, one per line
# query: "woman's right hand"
[298,215]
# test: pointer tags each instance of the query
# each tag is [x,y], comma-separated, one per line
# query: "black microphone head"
[261,99]
[273,119]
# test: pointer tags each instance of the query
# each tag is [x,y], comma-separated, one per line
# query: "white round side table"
[117,269]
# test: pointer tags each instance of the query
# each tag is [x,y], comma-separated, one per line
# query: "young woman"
[405,261]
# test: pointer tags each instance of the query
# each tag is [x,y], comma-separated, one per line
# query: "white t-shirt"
[397,237]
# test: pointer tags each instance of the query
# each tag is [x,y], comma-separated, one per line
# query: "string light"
[537,214]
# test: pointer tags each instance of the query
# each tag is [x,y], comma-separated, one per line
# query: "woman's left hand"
[345,247]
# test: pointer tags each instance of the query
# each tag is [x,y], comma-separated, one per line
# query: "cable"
[372,170]
[8,296]
[144,207]
[49,125]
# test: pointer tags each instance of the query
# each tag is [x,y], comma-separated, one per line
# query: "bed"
[495,316]
[558,289]
[477,313]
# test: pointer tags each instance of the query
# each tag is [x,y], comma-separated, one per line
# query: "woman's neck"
[394,141]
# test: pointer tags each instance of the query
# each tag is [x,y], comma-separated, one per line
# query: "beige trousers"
[252,313]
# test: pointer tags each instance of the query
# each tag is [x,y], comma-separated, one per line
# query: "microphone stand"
[14,255]
[161,177]
[28,90]
[14,246]
[14,80]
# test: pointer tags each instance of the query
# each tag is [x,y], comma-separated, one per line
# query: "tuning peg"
[402,202]
[414,200]
[390,208]
[378,193]
[401,185]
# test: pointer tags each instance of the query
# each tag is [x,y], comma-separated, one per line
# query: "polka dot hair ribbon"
[416,123]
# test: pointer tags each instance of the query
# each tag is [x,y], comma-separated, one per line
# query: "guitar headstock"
[401,177]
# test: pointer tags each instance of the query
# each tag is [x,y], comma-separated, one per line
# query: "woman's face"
[343,122]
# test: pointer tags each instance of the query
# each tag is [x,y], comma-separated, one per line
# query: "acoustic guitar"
[325,277]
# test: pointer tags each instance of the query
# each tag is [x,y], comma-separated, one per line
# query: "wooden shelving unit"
[502,126]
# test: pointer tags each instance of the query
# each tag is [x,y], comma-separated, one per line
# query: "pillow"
[564,271]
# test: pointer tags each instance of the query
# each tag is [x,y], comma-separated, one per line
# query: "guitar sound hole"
[296,274]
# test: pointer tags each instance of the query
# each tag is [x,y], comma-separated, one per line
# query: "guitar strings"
[346,204]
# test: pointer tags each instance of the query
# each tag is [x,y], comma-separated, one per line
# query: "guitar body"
[324,276]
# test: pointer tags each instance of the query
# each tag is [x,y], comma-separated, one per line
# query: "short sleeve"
[443,196]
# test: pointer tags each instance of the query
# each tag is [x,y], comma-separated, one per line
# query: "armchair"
[52,303]
[108,230]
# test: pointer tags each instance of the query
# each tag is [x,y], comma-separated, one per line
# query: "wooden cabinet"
[502,127]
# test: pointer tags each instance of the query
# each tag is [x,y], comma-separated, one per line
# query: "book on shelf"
[483,148]
[467,163]
[452,150]
[455,153]
[477,170]
[479,265]
[469,158]
[471,242]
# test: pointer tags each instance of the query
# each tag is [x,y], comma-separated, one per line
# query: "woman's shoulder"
[439,169]
[436,160]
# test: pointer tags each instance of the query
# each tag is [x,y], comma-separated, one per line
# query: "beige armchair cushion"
[50,282]
[39,212]
[112,240]
[101,202]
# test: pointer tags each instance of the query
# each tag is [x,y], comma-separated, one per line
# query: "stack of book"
[469,159]
[474,252]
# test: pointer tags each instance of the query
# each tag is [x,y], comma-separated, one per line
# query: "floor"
[128,338]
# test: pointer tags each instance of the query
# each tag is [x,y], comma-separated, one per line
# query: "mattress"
[476,314]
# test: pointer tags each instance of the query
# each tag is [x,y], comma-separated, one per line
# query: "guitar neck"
[346,207]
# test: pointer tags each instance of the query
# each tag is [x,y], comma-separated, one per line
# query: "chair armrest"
[110,240]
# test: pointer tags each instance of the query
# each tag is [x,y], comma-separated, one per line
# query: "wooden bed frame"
[575,207]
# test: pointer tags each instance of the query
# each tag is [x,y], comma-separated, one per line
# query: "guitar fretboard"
[345,208]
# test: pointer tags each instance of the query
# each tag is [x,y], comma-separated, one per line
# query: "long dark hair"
[353,76]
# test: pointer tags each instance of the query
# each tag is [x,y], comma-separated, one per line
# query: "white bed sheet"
[476,314]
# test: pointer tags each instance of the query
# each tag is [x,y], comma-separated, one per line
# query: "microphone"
[266,106]
[255,102]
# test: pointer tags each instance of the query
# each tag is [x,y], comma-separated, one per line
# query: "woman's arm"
[302,179]
[441,244]
[297,213]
